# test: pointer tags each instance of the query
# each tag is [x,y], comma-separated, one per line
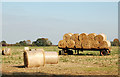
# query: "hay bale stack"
[83,36]
[6,51]
[67,36]
[100,37]
[62,44]
[95,44]
[51,57]
[78,44]
[105,44]
[84,40]
[91,36]
[38,58]
[86,44]
[70,44]
[75,37]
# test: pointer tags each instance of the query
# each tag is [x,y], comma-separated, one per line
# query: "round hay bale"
[86,44]
[6,51]
[75,37]
[34,58]
[116,40]
[91,36]
[95,44]
[70,44]
[51,57]
[62,44]
[105,44]
[67,36]
[26,49]
[100,37]
[78,44]
[83,36]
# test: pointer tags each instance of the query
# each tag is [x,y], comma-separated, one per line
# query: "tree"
[42,42]
[23,43]
[3,43]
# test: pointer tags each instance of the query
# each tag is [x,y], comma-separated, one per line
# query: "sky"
[32,20]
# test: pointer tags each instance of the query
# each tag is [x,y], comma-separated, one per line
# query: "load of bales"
[85,41]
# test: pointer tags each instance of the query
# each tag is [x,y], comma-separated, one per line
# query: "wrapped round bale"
[100,37]
[67,36]
[34,58]
[62,44]
[105,44]
[75,37]
[86,44]
[95,44]
[70,44]
[78,44]
[91,36]
[51,57]
[6,51]
[83,36]
[39,58]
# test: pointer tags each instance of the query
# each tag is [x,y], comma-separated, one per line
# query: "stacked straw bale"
[84,40]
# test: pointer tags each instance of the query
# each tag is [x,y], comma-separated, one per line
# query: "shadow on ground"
[41,74]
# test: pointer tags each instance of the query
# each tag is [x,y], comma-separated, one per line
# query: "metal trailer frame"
[69,51]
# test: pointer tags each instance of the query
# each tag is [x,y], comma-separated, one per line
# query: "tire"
[70,52]
[60,53]
[103,52]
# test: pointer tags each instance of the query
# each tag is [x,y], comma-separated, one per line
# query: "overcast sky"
[32,20]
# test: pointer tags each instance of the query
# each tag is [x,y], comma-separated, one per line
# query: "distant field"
[87,63]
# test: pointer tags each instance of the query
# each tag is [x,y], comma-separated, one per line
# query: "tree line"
[38,42]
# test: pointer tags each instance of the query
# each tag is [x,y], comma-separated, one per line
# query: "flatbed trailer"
[69,51]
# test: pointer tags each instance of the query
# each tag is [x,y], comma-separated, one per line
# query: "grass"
[88,61]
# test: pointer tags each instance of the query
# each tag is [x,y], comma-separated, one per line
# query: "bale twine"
[62,44]
[6,51]
[70,44]
[86,44]
[78,44]
[67,36]
[75,37]
[34,58]
[100,37]
[83,36]
[51,57]
[95,44]
[105,44]
[91,36]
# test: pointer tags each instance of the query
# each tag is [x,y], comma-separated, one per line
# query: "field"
[87,63]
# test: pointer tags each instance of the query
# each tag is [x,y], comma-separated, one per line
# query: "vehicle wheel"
[60,52]
[103,52]
[70,52]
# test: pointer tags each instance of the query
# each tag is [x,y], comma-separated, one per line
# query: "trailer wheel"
[61,52]
[103,52]
[70,52]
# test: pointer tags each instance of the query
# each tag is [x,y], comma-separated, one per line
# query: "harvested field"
[87,63]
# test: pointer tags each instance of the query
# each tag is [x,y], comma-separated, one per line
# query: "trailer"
[69,51]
